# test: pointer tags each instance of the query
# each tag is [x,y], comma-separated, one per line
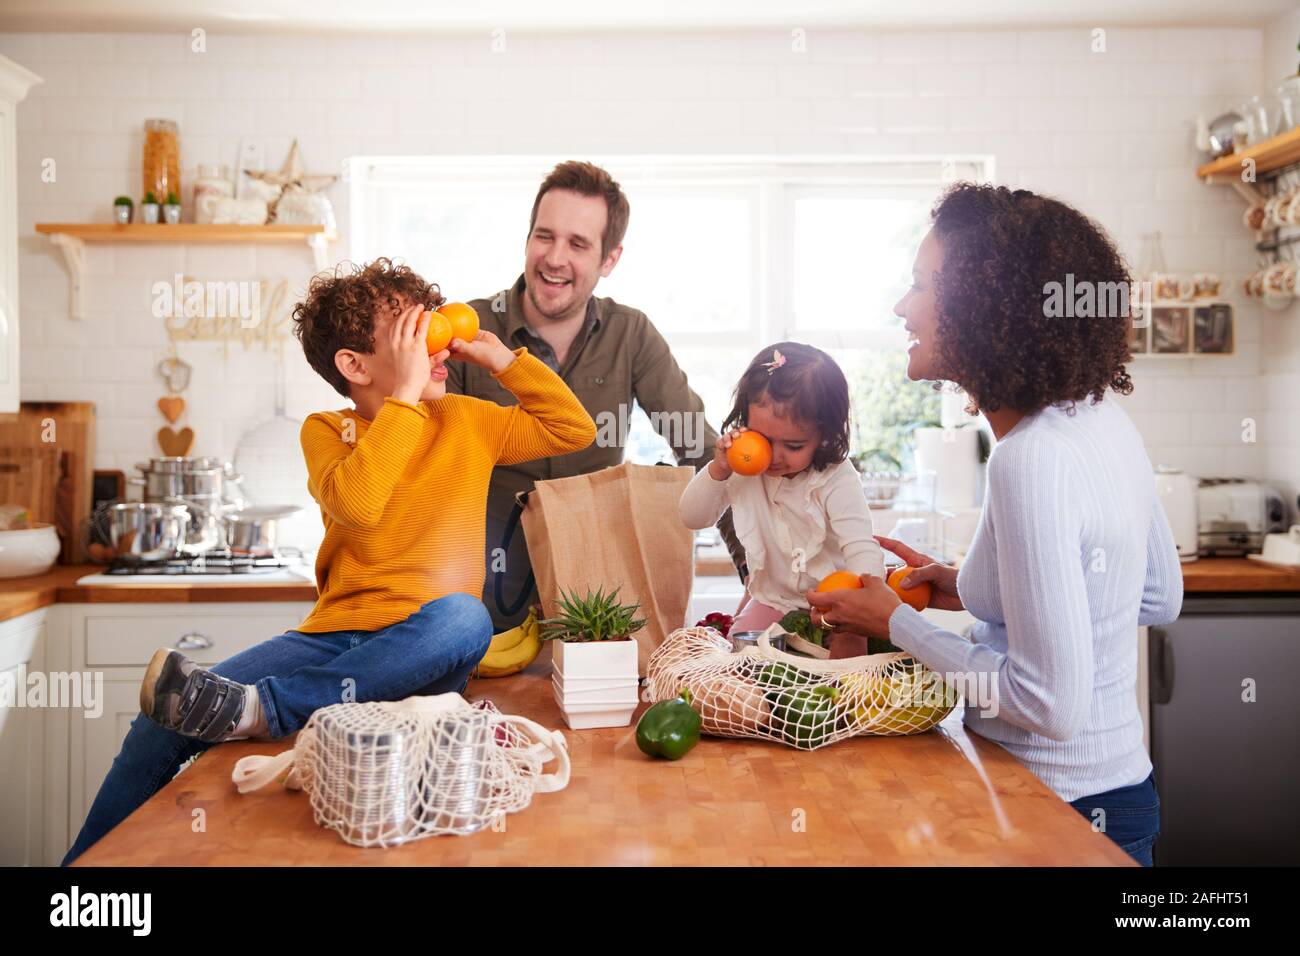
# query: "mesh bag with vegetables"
[804,702]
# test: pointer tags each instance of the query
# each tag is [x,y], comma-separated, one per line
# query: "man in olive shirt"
[607,353]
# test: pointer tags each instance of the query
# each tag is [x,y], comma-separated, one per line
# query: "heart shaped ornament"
[175,444]
[172,406]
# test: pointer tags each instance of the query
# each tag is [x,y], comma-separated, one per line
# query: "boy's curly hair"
[1001,250]
[809,387]
[340,309]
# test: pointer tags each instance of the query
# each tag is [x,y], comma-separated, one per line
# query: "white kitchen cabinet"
[117,640]
[22,742]
[15,81]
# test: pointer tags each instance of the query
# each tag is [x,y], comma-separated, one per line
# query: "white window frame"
[776,180]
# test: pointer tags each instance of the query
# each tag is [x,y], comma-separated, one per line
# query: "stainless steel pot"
[208,487]
[164,478]
[254,530]
[147,531]
[203,529]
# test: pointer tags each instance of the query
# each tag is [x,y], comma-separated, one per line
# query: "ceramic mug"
[1173,288]
[1207,285]
[1276,295]
[1253,217]
[1283,209]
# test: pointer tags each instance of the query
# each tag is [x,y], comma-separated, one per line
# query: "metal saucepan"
[165,478]
[254,530]
[147,530]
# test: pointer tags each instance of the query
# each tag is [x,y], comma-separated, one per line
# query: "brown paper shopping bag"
[615,528]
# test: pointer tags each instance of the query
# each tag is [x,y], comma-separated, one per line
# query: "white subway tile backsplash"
[1109,131]
[983,47]
[1054,46]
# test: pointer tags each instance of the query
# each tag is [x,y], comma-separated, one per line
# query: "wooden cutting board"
[30,477]
[69,428]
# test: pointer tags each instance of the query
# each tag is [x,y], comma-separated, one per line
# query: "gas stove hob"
[214,567]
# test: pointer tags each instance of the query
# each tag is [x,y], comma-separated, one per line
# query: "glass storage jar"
[162,159]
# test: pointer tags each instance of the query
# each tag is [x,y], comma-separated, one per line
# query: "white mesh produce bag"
[382,774]
[800,701]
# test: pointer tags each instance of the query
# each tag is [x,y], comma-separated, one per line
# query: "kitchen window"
[725,255]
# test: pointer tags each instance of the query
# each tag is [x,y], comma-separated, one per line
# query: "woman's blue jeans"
[431,652]
[1132,816]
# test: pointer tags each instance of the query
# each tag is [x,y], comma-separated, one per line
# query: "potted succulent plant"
[122,208]
[149,208]
[172,209]
[595,659]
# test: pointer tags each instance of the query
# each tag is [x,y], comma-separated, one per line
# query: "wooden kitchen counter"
[944,797]
[58,585]
[1240,575]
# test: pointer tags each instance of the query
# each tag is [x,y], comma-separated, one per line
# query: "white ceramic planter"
[595,682]
[27,551]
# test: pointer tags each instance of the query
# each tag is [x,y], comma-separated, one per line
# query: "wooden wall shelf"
[71,238]
[1269,155]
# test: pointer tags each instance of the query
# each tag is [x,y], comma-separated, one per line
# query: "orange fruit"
[463,319]
[839,580]
[750,453]
[439,335]
[918,597]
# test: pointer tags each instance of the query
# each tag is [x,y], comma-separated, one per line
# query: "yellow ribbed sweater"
[404,497]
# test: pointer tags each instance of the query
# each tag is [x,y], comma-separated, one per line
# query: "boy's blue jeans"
[431,652]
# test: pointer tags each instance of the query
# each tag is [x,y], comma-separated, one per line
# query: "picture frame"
[1213,329]
[1171,330]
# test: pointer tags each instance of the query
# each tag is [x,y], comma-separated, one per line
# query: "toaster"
[1234,515]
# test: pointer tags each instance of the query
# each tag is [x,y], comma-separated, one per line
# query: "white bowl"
[28,551]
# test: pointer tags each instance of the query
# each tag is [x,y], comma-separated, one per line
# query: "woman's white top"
[795,531]
[1073,552]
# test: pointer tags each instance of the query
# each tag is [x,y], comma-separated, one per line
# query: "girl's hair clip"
[777,361]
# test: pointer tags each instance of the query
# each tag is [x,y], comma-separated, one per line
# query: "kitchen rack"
[72,237]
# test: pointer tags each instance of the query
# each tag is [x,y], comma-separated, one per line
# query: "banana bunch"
[513,650]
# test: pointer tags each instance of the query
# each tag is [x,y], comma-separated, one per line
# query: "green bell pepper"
[669,729]
[779,675]
[806,715]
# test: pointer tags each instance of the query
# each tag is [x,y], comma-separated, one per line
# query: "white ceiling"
[457,16]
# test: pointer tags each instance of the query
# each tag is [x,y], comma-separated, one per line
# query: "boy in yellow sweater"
[402,481]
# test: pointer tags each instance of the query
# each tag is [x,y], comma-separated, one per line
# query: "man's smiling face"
[562,259]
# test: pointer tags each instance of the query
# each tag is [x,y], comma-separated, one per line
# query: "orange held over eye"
[439,335]
[463,319]
[918,597]
[839,580]
[750,453]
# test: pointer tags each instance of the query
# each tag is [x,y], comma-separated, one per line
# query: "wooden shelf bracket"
[74,257]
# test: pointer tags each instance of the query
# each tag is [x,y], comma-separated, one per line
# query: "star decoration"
[292,177]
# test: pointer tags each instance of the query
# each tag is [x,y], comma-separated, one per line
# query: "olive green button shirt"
[617,357]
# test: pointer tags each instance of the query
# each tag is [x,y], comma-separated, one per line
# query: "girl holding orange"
[805,514]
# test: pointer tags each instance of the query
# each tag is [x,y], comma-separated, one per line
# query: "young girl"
[807,515]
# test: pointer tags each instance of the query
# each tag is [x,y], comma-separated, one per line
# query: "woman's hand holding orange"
[942,578]
[865,610]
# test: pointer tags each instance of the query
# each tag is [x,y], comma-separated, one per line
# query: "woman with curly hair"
[1073,551]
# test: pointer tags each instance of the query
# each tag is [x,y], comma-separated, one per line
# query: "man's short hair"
[588,179]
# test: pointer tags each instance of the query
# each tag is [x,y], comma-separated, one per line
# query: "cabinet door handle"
[1160,661]
[193,641]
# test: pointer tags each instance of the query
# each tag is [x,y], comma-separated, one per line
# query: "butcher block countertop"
[58,585]
[945,797]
